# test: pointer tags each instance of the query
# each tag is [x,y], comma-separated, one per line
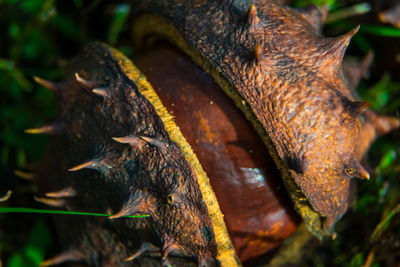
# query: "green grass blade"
[380,30]
[63,212]
[383,225]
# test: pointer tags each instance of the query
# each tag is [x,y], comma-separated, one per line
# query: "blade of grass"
[380,30]
[119,21]
[62,212]
[352,11]
[383,225]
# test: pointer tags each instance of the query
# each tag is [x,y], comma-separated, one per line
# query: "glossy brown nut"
[257,210]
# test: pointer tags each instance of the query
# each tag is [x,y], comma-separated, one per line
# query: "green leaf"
[384,224]
[35,248]
[380,30]
[121,13]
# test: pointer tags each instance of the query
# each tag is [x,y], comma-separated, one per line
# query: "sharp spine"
[70,255]
[24,175]
[85,83]
[340,44]
[89,164]
[66,192]
[122,213]
[50,201]
[52,86]
[126,139]
[6,196]
[253,18]
[156,142]
[146,246]
[46,129]
[102,92]
[362,106]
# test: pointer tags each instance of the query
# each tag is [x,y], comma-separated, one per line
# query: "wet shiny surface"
[245,180]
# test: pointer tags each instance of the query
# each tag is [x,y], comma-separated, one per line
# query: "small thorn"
[47,129]
[342,42]
[362,106]
[102,92]
[92,164]
[162,146]
[52,86]
[146,246]
[6,196]
[258,53]
[85,83]
[24,175]
[122,213]
[356,170]
[148,139]
[134,141]
[71,255]
[355,108]
[364,175]
[138,203]
[168,248]
[253,18]
[50,201]
[126,139]
[335,49]
[66,192]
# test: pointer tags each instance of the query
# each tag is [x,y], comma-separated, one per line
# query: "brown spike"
[89,164]
[70,255]
[258,53]
[156,142]
[50,201]
[361,173]
[139,202]
[24,175]
[356,170]
[126,139]
[168,248]
[66,192]
[102,92]
[253,18]
[340,44]
[146,246]
[6,196]
[355,108]
[134,141]
[148,139]
[126,211]
[52,86]
[85,83]
[362,106]
[47,129]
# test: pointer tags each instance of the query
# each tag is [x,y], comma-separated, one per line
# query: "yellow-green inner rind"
[226,253]
[149,25]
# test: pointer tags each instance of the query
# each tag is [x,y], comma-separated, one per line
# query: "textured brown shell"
[274,64]
[113,128]
[288,79]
